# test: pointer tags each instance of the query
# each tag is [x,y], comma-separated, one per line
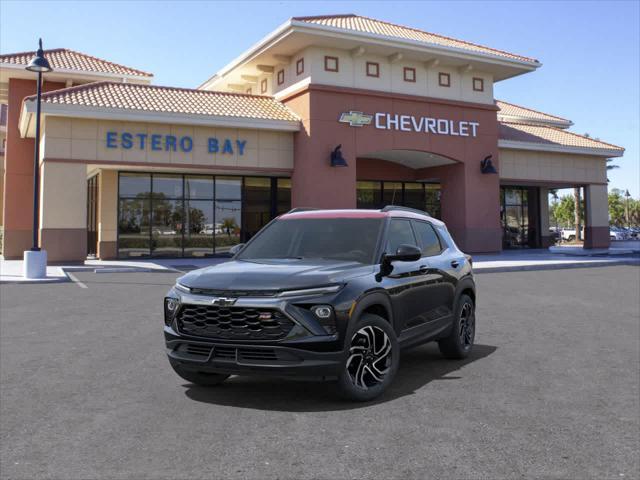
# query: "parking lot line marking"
[75,280]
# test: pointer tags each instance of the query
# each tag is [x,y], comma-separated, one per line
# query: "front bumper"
[249,358]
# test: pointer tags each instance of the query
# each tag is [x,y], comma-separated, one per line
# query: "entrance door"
[92,216]
[519,215]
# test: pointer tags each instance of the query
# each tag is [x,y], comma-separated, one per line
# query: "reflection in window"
[257,205]
[133,227]
[228,220]
[283,200]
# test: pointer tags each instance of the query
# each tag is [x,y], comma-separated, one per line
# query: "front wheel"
[460,341]
[372,359]
[203,379]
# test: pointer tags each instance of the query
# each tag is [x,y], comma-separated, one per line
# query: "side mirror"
[405,253]
[236,248]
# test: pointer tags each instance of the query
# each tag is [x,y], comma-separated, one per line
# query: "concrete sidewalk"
[506,261]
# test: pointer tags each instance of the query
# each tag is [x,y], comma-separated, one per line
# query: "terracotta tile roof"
[517,132]
[370,25]
[513,110]
[152,98]
[65,59]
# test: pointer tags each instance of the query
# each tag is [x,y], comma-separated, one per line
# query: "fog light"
[172,304]
[322,311]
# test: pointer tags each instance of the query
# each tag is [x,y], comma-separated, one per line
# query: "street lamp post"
[626,208]
[35,260]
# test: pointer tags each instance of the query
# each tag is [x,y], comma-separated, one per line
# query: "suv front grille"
[233,323]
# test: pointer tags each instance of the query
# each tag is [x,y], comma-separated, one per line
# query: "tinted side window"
[429,240]
[400,233]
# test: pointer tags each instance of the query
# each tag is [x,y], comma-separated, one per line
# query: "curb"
[557,266]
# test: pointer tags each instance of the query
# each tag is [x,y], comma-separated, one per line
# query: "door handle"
[455,263]
[423,268]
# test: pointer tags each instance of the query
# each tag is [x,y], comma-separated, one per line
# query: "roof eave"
[120,114]
[293,25]
[532,121]
[543,147]
[88,73]
[466,54]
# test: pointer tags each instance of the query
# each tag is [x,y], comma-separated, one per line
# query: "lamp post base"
[35,264]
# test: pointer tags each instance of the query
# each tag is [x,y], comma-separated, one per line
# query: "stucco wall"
[352,73]
[551,167]
[85,140]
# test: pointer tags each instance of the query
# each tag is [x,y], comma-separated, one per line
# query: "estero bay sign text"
[171,143]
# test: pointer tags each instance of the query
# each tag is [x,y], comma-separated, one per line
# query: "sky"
[590,51]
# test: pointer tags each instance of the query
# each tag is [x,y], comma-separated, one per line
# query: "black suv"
[333,294]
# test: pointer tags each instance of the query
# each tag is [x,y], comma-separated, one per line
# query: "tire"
[371,359]
[571,238]
[203,379]
[459,343]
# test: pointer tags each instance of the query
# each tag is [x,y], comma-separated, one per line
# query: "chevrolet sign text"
[438,126]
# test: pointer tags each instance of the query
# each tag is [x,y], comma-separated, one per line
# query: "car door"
[405,282]
[440,281]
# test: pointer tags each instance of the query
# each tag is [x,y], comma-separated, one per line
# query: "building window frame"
[328,61]
[409,74]
[372,69]
[280,76]
[478,84]
[300,66]
[444,79]
[263,86]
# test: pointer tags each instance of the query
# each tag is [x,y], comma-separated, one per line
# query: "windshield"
[349,239]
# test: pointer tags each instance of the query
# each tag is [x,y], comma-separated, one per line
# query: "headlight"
[322,311]
[311,291]
[182,288]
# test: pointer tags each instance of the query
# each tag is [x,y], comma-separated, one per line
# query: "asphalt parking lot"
[551,391]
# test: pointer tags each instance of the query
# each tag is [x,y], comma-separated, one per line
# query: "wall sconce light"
[337,160]
[486,166]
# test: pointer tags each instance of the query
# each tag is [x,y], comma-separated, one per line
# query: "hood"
[273,274]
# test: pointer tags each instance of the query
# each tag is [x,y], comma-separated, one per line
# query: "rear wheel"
[372,360]
[460,341]
[203,379]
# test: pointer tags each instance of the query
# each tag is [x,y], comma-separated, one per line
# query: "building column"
[107,214]
[596,200]
[470,203]
[314,182]
[63,211]
[18,173]
[546,239]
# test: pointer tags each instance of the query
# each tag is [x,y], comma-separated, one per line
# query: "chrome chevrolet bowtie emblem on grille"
[223,301]
[356,119]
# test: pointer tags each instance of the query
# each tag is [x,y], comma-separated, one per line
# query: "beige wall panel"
[598,213]
[108,206]
[63,196]
[86,129]
[57,147]
[58,127]
[83,149]
[549,166]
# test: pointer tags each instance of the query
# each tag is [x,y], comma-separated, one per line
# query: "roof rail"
[390,208]
[301,209]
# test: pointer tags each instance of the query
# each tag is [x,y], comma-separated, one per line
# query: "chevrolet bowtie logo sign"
[356,119]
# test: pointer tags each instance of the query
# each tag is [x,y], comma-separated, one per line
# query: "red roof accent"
[547,135]
[66,59]
[511,109]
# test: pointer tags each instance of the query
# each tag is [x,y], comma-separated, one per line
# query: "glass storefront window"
[133,227]
[228,220]
[377,194]
[173,215]
[392,193]
[135,185]
[369,194]
[199,227]
[257,205]
[283,195]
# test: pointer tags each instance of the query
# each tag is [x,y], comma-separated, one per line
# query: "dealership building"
[337,111]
